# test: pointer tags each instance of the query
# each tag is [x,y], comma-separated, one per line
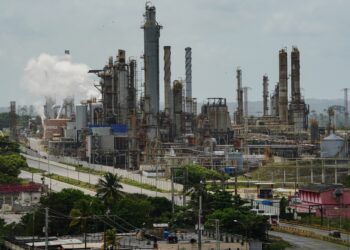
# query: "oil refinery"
[129,127]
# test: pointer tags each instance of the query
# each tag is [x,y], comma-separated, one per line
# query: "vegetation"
[107,189]
[71,181]
[10,161]
[73,212]
[278,244]
[142,185]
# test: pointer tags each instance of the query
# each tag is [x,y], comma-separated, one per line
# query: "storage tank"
[333,146]
[81,117]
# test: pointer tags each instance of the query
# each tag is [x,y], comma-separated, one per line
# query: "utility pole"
[33,227]
[172,191]
[217,229]
[199,221]
[46,228]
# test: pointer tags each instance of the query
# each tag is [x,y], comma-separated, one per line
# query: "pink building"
[329,199]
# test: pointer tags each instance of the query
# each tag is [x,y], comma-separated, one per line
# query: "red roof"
[20,188]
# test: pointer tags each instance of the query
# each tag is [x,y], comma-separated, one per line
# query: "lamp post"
[245,229]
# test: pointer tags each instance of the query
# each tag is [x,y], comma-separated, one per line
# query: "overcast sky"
[223,34]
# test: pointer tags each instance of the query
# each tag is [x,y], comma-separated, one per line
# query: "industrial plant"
[129,127]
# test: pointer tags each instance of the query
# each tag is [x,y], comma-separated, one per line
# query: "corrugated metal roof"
[20,188]
[320,187]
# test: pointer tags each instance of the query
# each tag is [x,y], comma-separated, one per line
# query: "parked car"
[335,234]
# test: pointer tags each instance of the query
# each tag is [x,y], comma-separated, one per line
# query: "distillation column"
[167,79]
[245,91]
[266,95]
[239,112]
[298,111]
[346,114]
[283,87]
[188,66]
[151,66]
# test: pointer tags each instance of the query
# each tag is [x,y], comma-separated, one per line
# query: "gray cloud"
[223,34]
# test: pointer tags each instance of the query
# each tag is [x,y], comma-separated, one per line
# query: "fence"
[58,160]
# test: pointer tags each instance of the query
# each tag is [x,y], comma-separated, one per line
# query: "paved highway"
[67,171]
[344,237]
[304,243]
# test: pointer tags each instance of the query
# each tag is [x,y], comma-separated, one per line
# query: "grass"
[278,244]
[89,170]
[33,170]
[124,180]
[143,185]
[71,181]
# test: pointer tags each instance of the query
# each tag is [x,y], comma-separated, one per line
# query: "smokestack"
[239,113]
[13,121]
[167,78]
[295,79]
[177,98]
[283,86]
[265,94]
[188,62]
[151,65]
[346,114]
[245,91]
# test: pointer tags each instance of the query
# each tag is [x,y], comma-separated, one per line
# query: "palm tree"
[80,216]
[108,188]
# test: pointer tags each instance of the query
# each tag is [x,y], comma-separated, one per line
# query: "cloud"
[287,23]
[58,77]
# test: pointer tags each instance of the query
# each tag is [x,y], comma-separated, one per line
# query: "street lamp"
[245,229]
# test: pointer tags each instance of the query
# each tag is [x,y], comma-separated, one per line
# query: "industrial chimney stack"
[266,95]
[188,66]
[167,79]
[239,112]
[283,87]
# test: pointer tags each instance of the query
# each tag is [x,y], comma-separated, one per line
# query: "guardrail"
[309,234]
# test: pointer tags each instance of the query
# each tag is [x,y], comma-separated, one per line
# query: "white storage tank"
[333,146]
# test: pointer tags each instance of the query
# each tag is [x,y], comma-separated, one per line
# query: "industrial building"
[127,128]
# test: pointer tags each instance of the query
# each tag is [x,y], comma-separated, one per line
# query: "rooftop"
[320,187]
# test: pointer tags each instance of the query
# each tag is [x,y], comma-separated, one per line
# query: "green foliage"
[134,211]
[7,146]
[346,182]
[196,174]
[278,245]
[3,233]
[4,120]
[10,165]
[184,217]
[283,207]
[108,188]
[247,222]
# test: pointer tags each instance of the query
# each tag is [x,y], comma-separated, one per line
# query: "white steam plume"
[58,77]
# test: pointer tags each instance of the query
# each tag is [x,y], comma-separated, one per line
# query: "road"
[56,186]
[67,171]
[304,243]
[345,237]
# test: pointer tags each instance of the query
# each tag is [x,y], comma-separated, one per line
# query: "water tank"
[332,146]
[81,116]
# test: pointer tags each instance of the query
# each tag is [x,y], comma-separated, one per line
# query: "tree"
[195,174]
[253,225]
[10,165]
[7,146]
[80,215]
[108,188]
[3,233]
[112,241]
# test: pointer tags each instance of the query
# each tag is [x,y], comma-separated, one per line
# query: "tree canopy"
[108,188]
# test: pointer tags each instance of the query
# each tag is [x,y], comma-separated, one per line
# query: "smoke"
[58,77]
